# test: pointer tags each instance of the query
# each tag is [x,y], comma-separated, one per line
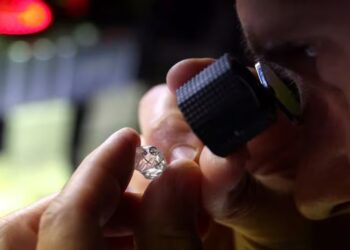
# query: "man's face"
[310,41]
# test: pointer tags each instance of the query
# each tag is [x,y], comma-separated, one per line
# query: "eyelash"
[283,72]
[297,61]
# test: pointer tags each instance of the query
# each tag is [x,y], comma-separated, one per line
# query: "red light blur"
[19,17]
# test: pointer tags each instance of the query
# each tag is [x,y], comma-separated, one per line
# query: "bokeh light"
[19,17]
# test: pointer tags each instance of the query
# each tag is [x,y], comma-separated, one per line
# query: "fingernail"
[183,152]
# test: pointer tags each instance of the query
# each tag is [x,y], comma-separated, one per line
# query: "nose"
[323,188]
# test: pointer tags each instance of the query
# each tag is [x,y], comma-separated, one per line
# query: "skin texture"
[286,189]
[231,194]
[322,181]
[273,189]
[93,212]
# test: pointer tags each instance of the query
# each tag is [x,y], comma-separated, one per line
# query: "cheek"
[333,66]
[327,120]
[323,178]
[323,189]
[282,140]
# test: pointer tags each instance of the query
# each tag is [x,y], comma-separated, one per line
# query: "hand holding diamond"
[93,211]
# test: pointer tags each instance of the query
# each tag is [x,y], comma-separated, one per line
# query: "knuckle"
[151,94]
[172,120]
[170,125]
[53,215]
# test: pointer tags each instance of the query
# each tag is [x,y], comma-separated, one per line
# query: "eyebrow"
[258,47]
[259,50]
[274,37]
[254,49]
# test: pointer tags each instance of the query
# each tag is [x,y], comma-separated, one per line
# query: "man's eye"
[311,51]
[297,60]
[298,54]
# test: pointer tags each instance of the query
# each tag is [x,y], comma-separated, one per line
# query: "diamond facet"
[149,161]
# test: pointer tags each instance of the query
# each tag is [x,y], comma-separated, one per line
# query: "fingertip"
[185,172]
[183,164]
[128,134]
[170,209]
[186,177]
[184,71]
[175,194]
[116,155]
[180,182]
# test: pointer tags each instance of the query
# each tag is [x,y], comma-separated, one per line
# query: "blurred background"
[72,72]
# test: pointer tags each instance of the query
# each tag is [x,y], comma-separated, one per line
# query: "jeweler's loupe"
[226,105]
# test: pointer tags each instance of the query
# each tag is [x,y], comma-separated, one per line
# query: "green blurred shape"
[35,162]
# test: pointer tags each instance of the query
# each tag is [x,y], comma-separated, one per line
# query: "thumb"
[170,208]
[74,219]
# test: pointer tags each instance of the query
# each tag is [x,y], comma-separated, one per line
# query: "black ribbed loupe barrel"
[226,106]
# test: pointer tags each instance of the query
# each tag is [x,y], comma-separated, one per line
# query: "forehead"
[267,19]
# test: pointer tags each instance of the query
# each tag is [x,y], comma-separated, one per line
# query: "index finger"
[74,220]
[162,123]
[183,71]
